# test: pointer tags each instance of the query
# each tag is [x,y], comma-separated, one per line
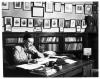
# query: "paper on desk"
[29,66]
[70,61]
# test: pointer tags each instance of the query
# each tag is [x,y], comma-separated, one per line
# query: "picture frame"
[17,5]
[27,6]
[78,22]
[88,9]
[8,20]
[68,8]
[37,4]
[30,22]
[38,22]
[23,22]
[54,23]
[67,23]
[61,22]
[72,23]
[47,23]
[84,24]
[5,5]
[8,28]
[17,22]
[49,7]
[57,6]
[37,11]
[79,9]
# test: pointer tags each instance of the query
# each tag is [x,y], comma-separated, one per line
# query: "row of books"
[73,46]
[73,39]
[11,40]
[49,39]
[48,47]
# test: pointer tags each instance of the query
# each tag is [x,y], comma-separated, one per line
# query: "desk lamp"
[87,52]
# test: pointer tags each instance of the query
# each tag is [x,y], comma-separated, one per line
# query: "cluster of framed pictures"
[37,8]
[45,23]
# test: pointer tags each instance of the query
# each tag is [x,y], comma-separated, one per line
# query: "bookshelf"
[61,43]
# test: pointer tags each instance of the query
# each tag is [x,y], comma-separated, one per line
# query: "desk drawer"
[73,72]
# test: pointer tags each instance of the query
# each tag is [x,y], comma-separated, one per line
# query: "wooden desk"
[68,70]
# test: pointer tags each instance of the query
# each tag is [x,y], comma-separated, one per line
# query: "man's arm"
[33,49]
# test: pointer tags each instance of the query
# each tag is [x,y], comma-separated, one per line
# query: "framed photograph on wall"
[30,22]
[57,6]
[67,23]
[8,20]
[17,5]
[68,8]
[88,9]
[79,8]
[72,23]
[38,22]
[37,4]
[5,5]
[61,22]
[23,22]
[17,22]
[46,23]
[54,22]
[37,11]
[27,6]
[8,28]
[49,7]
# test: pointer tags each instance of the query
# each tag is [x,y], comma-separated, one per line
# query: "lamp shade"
[87,51]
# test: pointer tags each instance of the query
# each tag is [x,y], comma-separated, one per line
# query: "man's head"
[28,39]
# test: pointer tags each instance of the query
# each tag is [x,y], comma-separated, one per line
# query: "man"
[26,52]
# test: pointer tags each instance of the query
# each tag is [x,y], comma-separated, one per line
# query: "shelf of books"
[49,43]
[73,44]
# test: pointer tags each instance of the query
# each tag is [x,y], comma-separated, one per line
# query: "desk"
[68,70]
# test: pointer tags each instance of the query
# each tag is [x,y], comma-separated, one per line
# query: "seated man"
[27,52]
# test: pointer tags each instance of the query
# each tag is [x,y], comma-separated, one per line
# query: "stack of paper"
[70,61]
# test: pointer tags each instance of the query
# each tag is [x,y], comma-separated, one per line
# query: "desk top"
[65,68]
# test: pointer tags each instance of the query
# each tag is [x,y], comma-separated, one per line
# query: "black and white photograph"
[47,23]
[27,6]
[50,39]
[17,22]
[49,7]
[79,8]
[23,22]
[8,20]
[17,5]
[5,5]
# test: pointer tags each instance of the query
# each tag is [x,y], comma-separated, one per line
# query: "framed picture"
[46,23]
[38,4]
[88,9]
[72,23]
[37,12]
[8,20]
[68,8]
[54,22]
[30,22]
[49,7]
[17,5]
[79,9]
[57,7]
[16,21]
[23,22]
[5,5]
[27,6]
[83,24]
[38,22]
[67,23]
[61,29]
[78,22]
[8,28]
[61,22]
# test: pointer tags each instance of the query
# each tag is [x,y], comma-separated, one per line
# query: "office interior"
[68,28]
